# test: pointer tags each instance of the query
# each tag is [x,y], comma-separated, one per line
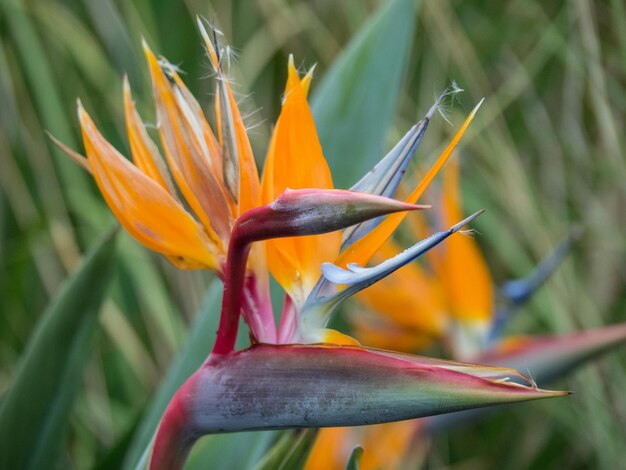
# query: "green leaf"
[196,349]
[354,463]
[35,409]
[354,104]
[232,450]
[289,452]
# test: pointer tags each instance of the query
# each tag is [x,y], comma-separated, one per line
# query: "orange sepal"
[79,159]
[338,338]
[331,449]
[145,153]
[249,184]
[381,333]
[384,446]
[146,210]
[306,80]
[249,187]
[295,161]
[190,149]
[460,264]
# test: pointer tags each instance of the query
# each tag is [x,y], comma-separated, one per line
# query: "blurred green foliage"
[545,152]
[34,411]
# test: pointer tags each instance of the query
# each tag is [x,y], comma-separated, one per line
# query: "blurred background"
[544,153]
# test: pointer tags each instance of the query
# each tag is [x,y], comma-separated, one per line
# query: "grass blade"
[36,407]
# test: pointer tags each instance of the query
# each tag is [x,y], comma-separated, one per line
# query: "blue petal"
[357,278]
[385,177]
[519,291]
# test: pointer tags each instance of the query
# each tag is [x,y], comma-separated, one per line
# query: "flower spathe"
[203,205]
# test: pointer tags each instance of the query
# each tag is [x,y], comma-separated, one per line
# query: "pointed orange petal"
[362,250]
[190,149]
[384,445]
[295,161]
[459,262]
[145,153]
[331,449]
[141,205]
[233,138]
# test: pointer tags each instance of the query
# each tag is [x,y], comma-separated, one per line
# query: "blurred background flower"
[544,152]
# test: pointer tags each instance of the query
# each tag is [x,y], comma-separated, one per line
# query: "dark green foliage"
[34,412]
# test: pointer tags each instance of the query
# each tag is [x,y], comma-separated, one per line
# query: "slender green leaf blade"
[36,406]
[289,452]
[354,104]
[232,450]
[354,463]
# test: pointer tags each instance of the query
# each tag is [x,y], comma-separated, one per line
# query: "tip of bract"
[461,224]
[366,385]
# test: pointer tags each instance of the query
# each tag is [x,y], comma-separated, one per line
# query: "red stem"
[234,280]
[250,227]
[175,436]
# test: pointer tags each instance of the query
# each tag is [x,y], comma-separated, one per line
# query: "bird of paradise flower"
[204,206]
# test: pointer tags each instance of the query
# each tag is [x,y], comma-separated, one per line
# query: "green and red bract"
[296,386]
[203,206]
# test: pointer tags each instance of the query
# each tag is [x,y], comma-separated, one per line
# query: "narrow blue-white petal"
[356,275]
[518,292]
[385,177]
[357,278]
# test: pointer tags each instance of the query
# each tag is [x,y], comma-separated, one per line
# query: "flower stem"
[234,281]
[175,436]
